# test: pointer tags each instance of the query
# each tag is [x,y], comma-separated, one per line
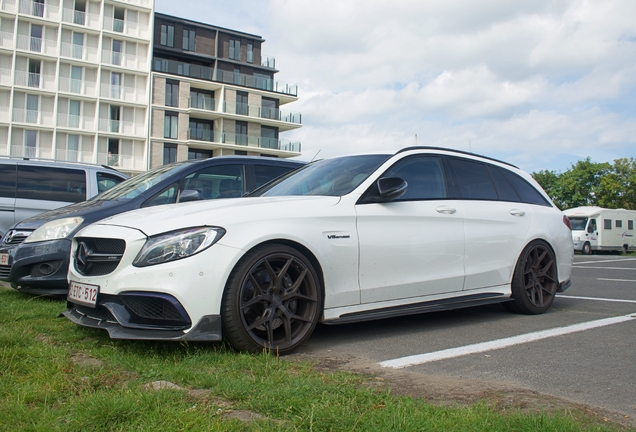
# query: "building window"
[115,85]
[167,35]
[201,130]
[72,147]
[115,112]
[117,50]
[34,73]
[169,153]
[269,109]
[30,143]
[76,79]
[199,154]
[235,49]
[269,137]
[36,38]
[172,93]
[170,126]
[202,100]
[118,19]
[188,39]
[38,8]
[74,110]
[250,53]
[77,48]
[242,106]
[113,152]
[241,133]
[79,12]
[32,108]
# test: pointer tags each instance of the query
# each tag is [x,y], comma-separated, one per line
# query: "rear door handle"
[446,210]
[515,212]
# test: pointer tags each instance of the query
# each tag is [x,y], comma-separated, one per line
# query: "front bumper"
[39,268]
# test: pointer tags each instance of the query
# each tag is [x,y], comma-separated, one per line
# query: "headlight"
[57,229]
[176,245]
[577,238]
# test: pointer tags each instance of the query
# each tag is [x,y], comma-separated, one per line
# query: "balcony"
[76,122]
[127,61]
[31,152]
[242,140]
[127,28]
[39,45]
[7,5]
[44,10]
[122,127]
[261,112]
[5,77]
[6,40]
[124,93]
[207,73]
[203,103]
[82,18]
[40,118]
[79,52]
[121,161]
[5,116]
[35,80]
[268,62]
[142,3]
[77,86]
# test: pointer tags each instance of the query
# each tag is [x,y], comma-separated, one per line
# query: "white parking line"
[605,268]
[616,280]
[419,359]
[600,261]
[596,298]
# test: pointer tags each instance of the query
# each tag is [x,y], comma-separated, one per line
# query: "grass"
[57,376]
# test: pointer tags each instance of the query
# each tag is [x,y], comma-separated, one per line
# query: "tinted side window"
[265,173]
[106,181]
[526,191]
[7,180]
[473,180]
[424,176]
[220,181]
[505,191]
[51,184]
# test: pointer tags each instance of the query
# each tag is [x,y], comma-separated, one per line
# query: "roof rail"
[59,161]
[454,151]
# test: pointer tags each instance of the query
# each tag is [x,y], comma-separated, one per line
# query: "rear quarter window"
[106,181]
[525,190]
[473,180]
[51,184]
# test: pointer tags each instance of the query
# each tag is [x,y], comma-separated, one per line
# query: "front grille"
[153,308]
[99,313]
[15,237]
[98,256]
[4,271]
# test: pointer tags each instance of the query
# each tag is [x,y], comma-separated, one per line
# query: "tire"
[272,300]
[586,249]
[625,249]
[534,282]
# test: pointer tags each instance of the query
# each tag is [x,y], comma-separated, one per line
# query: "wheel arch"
[543,240]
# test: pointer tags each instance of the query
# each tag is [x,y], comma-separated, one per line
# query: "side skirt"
[417,308]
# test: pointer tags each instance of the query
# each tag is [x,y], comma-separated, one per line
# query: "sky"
[541,84]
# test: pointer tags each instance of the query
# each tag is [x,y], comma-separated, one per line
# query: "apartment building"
[75,80]
[214,93]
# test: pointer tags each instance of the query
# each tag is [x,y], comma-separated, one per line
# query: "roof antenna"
[312,159]
[415,140]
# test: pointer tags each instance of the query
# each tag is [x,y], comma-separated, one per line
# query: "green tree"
[550,181]
[618,187]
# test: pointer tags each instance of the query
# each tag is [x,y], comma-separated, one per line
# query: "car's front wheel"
[586,249]
[272,300]
[534,282]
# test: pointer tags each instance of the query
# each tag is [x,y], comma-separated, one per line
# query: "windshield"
[578,223]
[331,177]
[135,186]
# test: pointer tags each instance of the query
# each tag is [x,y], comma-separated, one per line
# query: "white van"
[29,187]
[600,229]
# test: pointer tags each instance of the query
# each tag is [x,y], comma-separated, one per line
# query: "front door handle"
[446,210]
[515,212]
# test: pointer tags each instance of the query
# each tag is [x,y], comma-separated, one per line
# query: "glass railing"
[203,102]
[268,62]
[242,140]
[207,73]
[31,152]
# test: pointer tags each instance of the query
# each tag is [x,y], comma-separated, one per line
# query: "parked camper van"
[600,229]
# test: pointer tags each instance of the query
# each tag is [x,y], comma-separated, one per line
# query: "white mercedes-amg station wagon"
[340,240]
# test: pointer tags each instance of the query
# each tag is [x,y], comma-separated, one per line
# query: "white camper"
[600,229]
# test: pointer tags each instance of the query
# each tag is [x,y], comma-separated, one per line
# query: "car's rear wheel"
[586,249]
[534,282]
[272,300]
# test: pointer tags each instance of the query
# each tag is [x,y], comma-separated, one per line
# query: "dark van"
[34,254]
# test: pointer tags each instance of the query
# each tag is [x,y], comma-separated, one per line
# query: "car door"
[7,196]
[495,222]
[414,245]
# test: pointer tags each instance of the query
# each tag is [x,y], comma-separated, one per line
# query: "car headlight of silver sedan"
[54,230]
[176,245]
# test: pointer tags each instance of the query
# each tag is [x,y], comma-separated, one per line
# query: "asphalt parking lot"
[582,349]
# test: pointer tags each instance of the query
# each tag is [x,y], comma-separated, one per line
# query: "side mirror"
[391,188]
[188,195]
[590,229]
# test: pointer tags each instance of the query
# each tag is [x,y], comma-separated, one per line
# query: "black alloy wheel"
[272,300]
[534,283]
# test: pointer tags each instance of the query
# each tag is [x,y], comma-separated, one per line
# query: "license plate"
[84,294]
[4,259]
